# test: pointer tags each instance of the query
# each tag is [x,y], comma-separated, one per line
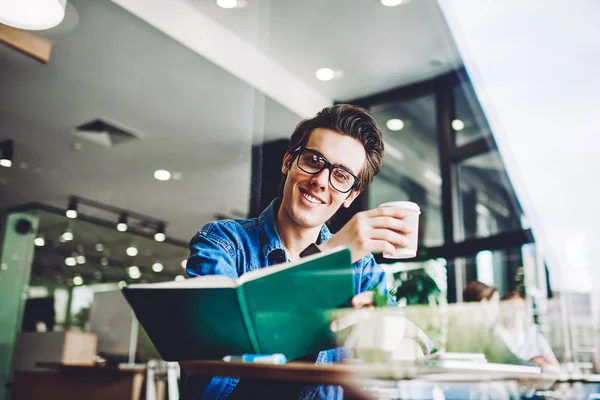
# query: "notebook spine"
[247,317]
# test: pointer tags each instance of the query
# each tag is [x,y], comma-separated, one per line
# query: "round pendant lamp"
[32,15]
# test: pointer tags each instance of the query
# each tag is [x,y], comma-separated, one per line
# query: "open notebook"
[279,309]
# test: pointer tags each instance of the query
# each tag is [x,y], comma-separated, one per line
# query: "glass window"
[512,269]
[411,168]
[469,123]
[487,202]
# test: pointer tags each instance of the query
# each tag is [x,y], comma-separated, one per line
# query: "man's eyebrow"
[335,165]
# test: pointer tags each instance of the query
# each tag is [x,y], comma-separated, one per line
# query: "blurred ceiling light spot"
[134,272]
[104,261]
[122,225]
[392,3]
[72,209]
[39,241]
[393,152]
[132,251]
[184,264]
[394,124]
[99,247]
[227,3]
[179,278]
[77,280]
[32,15]
[80,259]
[23,165]
[162,175]
[122,284]
[157,267]
[433,177]
[177,176]
[67,235]
[160,236]
[325,74]
[458,125]
[70,261]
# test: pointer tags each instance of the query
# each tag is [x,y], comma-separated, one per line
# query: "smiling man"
[331,158]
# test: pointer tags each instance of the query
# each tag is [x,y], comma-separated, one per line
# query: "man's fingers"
[363,299]
[391,223]
[394,212]
[394,238]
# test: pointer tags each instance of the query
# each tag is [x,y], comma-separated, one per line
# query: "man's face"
[309,200]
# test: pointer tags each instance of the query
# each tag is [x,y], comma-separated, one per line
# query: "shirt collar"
[269,237]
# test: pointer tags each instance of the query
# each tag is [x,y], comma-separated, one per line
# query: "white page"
[221,281]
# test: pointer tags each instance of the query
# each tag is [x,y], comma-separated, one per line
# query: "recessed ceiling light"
[99,247]
[394,124]
[458,125]
[132,251]
[179,278]
[67,236]
[39,241]
[392,3]
[184,264]
[134,272]
[80,259]
[157,267]
[227,3]
[70,261]
[325,74]
[122,284]
[5,163]
[77,280]
[162,174]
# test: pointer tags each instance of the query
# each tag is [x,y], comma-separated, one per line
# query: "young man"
[331,158]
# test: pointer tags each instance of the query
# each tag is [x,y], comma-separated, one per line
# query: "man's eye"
[313,160]
[341,175]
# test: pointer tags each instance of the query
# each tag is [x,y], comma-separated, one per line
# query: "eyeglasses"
[313,163]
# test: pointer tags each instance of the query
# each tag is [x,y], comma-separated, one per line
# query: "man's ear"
[354,194]
[287,163]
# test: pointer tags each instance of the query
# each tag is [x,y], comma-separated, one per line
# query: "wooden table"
[352,376]
[76,382]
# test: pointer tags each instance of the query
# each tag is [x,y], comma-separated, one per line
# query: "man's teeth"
[311,199]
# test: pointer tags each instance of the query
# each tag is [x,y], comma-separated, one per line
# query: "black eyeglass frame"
[326,164]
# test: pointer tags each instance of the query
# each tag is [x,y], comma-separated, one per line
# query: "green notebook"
[279,309]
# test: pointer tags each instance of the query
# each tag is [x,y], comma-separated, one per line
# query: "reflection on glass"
[487,201]
[411,169]
[61,292]
[469,123]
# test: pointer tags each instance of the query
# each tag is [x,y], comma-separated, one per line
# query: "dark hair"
[478,291]
[349,120]
[513,296]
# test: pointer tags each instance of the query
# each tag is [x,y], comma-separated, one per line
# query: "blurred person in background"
[526,339]
[513,327]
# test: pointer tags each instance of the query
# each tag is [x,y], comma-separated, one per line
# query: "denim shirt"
[234,247]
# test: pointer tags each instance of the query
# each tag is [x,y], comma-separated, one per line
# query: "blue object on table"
[276,358]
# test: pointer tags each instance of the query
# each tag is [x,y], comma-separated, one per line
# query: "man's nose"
[321,179]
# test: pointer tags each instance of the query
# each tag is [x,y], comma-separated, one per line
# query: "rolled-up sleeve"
[373,276]
[212,252]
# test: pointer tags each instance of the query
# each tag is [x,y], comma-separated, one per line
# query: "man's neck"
[294,238]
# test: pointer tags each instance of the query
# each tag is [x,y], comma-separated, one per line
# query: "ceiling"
[104,250]
[192,116]
[377,48]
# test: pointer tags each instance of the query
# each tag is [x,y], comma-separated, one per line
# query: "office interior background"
[151,119]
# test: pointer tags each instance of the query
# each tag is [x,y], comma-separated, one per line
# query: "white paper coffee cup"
[412,221]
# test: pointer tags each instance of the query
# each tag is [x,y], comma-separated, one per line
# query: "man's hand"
[364,299]
[373,231]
